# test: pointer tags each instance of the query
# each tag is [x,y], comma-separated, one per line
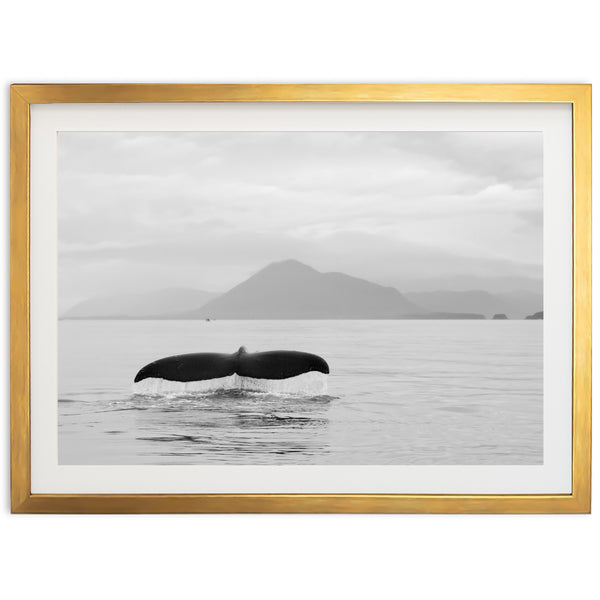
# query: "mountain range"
[515,304]
[293,290]
[139,306]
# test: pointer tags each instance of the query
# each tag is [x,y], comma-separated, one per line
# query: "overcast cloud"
[140,211]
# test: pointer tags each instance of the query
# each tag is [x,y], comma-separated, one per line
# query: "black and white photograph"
[300,298]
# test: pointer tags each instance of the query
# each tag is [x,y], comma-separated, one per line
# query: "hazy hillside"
[466,283]
[138,306]
[516,305]
[537,315]
[292,290]
[447,316]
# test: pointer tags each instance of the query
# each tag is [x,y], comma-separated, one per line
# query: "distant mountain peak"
[290,262]
[288,265]
[290,289]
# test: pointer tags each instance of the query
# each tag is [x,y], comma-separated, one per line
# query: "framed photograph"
[301,298]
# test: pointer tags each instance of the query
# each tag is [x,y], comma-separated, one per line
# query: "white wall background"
[291,556]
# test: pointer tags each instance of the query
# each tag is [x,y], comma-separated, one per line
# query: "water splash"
[306,384]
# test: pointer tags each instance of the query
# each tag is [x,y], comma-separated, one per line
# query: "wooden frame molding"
[23,501]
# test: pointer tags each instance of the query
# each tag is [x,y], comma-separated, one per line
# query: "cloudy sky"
[418,210]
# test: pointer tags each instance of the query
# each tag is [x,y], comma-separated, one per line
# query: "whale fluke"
[276,370]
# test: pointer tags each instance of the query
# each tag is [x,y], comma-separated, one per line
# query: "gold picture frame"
[23,501]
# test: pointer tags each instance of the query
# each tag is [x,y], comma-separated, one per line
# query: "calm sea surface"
[400,392]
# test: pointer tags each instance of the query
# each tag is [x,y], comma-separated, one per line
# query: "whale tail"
[277,371]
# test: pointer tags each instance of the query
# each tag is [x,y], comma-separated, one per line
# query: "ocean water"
[399,392]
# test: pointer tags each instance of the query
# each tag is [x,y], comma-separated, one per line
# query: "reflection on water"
[224,426]
[401,392]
